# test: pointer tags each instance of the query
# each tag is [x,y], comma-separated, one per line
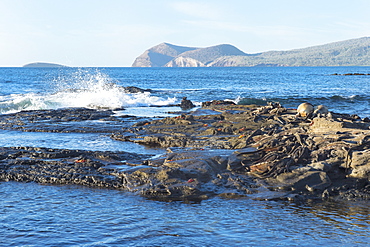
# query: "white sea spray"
[82,88]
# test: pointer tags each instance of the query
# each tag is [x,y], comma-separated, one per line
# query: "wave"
[81,89]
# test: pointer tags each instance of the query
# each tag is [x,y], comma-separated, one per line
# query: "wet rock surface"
[61,166]
[221,149]
[320,157]
[78,120]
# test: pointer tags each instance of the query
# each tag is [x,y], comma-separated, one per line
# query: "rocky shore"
[221,149]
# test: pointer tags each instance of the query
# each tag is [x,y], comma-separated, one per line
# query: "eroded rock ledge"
[269,147]
[221,149]
[62,166]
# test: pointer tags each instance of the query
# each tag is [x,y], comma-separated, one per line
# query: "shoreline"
[221,149]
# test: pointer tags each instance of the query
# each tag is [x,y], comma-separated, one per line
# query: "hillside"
[159,55]
[354,52]
[209,54]
[167,55]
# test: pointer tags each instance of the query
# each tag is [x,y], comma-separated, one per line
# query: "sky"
[112,33]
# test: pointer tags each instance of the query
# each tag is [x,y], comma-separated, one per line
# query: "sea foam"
[82,88]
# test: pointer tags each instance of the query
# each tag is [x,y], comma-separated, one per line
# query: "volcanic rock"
[220,149]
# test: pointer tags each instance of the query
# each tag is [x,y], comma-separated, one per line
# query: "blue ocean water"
[40,215]
[31,88]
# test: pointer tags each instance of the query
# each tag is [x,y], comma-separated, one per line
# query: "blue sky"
[114,32]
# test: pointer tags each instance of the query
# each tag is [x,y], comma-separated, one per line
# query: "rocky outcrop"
[323,157]
[61,166]
[64,121]
[186,104]
[222,149]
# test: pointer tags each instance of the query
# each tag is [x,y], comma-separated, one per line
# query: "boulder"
[186,104]
[360,164]
[320,124]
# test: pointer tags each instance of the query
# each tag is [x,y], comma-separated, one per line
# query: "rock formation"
[221,149]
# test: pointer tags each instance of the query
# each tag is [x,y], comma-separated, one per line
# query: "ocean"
[48,215]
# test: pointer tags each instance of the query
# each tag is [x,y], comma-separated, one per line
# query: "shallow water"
[81,141]
[42,215]
[79,216]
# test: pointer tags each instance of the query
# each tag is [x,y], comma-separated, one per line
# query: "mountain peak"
[161,54]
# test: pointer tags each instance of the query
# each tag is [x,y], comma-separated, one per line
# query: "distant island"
[353,52]
[43,65]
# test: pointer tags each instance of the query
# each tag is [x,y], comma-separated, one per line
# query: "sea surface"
[49,215]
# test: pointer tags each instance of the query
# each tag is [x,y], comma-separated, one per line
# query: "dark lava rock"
[347,74]
[186,104]
[297,157]
[132,89]
[191,175]
[217,102]
[261,152]
[61,166]
[66,120]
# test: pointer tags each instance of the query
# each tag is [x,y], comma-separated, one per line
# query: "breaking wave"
[81,89]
